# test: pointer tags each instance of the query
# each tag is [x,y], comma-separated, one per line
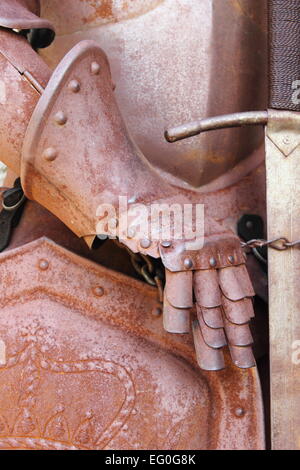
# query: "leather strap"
[13,204]
[284,37]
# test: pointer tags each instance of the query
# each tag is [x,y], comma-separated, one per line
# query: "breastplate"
[176,61]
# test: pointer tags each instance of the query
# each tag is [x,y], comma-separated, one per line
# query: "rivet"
[286,140]
[145,243]
[188,263]
[60,118]
[239,412]
[231,259]
[156,312]
[43,264]
[166,244]
[95,68]
[113,223]
[213,262]
[98,291]
[131,232]
[74,86]
[50,154]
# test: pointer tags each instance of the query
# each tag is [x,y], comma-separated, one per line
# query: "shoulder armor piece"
[24,15]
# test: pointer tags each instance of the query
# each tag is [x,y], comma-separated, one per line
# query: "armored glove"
[216,280]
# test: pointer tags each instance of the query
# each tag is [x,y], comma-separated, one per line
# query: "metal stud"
[60,118]
[74,86]
[166,244]
[43,264]
[188,263]
[50,154]
[286,140]
[156,312]
[95,68]
[213,262]
[98,291]
[145,243]
[239,412]
[231,259]
[113,223]
[131,232]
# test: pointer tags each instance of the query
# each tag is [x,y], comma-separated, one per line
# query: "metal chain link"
[144,266]
[279,244]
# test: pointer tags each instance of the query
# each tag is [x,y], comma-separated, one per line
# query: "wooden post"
[283,202]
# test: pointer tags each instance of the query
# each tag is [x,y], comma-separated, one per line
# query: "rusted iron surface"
[23,15]
[37,222]
[19,54]
[71,191]
[223,303]
[48,173]
[18,97]
[232,312]
[166,64]
[220,251]
[55,343]
[73,325]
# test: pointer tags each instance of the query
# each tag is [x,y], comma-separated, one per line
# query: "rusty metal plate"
[17,95]
[77,153]
[85,364]
[172,62]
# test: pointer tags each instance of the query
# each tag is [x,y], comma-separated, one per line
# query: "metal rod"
[251,118]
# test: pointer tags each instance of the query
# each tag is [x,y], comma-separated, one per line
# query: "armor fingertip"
[242,357]
[175,320]
[208,359]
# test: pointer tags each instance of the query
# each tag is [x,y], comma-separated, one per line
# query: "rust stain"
[113,11]
[102,9]
[60,349]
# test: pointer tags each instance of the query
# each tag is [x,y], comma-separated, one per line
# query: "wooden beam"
[283,202]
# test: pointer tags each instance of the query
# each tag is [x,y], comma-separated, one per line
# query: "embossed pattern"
[77,371]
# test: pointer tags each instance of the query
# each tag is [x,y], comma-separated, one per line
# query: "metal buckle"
[15,206]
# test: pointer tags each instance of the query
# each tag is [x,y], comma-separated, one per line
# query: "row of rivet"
[188,262]
[98,291]
[61,118]
[44,265]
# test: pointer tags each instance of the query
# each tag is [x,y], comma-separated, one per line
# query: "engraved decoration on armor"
[55,432]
